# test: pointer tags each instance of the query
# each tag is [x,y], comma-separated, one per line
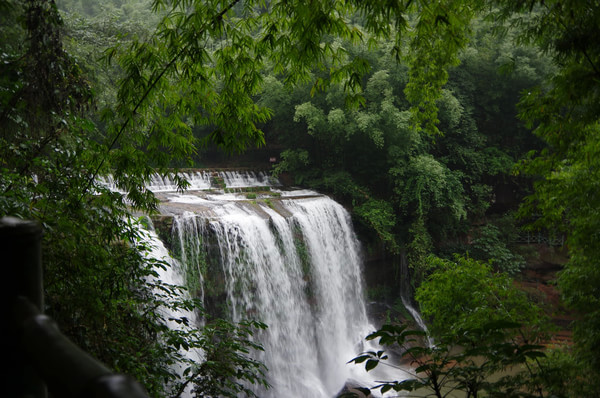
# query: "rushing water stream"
[288,259]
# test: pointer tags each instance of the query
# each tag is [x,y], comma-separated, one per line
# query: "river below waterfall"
[289,259]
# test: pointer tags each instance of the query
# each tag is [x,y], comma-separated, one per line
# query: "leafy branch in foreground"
[228,370]
[479,360]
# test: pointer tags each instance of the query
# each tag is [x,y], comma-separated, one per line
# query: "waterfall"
[174,275]
[188,231]
[406,297]
[301,276]
[291,261]
[197,180]
[234,179]
[201,180]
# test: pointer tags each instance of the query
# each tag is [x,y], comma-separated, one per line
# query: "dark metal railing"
[38,358]
[539,237]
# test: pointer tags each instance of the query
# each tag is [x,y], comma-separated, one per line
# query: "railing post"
[20,245]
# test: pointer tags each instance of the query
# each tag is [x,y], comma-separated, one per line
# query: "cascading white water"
[201,180]
[197,180]
[405,296]
[188,232]
[301,276]
[296,267]
[174,275]
[234,179]
[418,319]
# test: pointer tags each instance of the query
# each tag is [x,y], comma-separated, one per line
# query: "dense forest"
[447,128]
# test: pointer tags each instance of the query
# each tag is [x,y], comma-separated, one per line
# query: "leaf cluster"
[479,360]
[465,294]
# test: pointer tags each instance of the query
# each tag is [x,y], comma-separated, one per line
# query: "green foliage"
[429,185]
[207,60]
[465,294]
[295,160]
[342,185]
[486,336]
[477,361]
[268,203]
[228,369]
[95,274]
[564,113]
[178,69]
[488,245]
[445,180]
[314,118]
[440,32]
[93,27]
[379,215]
[418,250]
[566,376]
